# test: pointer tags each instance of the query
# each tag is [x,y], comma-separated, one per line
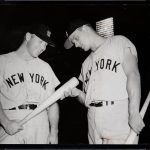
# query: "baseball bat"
[133,134]
[73,82]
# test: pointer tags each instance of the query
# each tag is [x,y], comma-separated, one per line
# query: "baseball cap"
[43,32]
[72,26]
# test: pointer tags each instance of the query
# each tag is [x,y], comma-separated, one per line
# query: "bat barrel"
[73,82]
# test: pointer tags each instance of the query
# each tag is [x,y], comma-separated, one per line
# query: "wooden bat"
[73,82]
[133,135]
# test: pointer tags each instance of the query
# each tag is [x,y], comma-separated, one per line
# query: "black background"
[131,19]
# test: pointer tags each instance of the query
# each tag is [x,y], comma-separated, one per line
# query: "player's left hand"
[136,122]
[53,138]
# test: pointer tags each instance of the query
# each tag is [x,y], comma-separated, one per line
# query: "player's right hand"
[74,92]
[136,122]
[12,127]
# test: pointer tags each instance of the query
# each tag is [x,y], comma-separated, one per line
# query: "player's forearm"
[81,97]
[134,92]
[53,114]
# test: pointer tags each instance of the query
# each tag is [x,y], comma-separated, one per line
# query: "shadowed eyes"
[76,38]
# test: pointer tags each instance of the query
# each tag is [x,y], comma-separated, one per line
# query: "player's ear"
[28,36]
[84,27]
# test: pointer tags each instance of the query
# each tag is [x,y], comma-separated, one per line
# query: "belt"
[24,106]
[101,103]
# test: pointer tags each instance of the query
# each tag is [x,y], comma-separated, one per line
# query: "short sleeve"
[53,81]
[126,44]
[53,78]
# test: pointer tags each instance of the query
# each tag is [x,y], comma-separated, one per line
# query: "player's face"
[80,39]
[36,46]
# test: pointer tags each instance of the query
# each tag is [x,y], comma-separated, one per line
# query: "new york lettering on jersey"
[87,78]
[101,64]
[17,78]
[108,64]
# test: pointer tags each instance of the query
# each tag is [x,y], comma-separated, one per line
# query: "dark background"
[130,19]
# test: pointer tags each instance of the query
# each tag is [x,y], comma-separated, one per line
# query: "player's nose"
[77,44]
[43,46]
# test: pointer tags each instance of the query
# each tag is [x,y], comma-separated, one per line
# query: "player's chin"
[40,52]
[36,55]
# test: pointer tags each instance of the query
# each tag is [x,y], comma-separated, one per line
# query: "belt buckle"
[99,104]
[32,106]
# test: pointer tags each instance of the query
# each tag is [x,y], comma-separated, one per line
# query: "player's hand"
[136,122]
[53,138]
[74,92]
[12,127]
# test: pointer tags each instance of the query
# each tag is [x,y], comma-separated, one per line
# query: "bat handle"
[145,106]
[142,113]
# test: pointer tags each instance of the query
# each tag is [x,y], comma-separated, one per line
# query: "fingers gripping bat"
[73,82]
[133,135]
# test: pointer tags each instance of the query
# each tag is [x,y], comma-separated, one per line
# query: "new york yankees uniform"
[26,82]
[104,81]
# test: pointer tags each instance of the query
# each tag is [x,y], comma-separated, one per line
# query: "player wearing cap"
[111,84]
[25,82]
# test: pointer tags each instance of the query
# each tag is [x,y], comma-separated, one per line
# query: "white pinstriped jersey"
[102,74]
[24,81]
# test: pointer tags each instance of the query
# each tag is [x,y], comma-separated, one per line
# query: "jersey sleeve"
[126,44]
[84,67]
[81,78]
[53,80]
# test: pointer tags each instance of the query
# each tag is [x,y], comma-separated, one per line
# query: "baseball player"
[25,82]
[111,84]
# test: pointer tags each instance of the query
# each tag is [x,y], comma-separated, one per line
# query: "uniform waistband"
[100,103]
[24,106]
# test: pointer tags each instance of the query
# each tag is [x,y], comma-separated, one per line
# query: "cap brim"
[68,44]
[46,39]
